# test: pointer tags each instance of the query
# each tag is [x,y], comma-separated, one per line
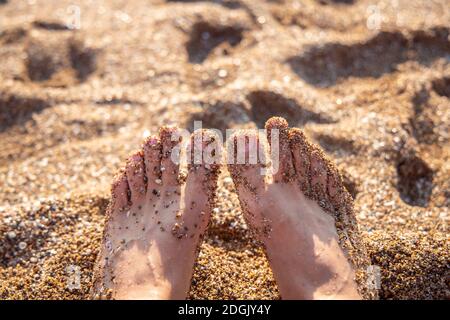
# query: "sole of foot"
[155,222]
[301,213]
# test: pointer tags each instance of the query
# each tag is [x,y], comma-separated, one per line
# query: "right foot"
[303,216]
[154,224]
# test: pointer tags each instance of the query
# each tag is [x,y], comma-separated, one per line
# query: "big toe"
[248,161]
[248,170]
[282,163]
[204,169]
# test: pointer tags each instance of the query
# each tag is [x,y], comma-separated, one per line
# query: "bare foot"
[304,217]
[154,224]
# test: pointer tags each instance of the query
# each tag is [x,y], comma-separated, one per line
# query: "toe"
[170,139]
[120,192]
[300,150]
[277,134]
[152,160]
[205,151]
[334,184]
[136,176]
[249,161]
[204,169]
[318,170]
[249,177]
[337,193]
[319,177]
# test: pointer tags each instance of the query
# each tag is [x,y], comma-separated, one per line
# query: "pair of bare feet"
[302,214]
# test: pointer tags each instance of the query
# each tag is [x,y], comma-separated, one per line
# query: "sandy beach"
[82,83]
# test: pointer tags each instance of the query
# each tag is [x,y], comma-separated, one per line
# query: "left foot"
[154,223]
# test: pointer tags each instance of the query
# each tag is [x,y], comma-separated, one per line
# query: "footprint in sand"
[12,35]
[414,180]
[50,25]
[207,39]
[327,2]
[442,86]
[18,108]
[230,4]
[59,60]
[265,104]
[327,64]
[222,116]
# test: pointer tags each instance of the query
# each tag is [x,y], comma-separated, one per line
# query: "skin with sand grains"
[157,217]
[155,221]
[83,82]
[303,216]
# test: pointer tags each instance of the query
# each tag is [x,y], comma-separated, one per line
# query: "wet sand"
[373,93]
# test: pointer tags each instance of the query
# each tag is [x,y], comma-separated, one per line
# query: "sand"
[368,81]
